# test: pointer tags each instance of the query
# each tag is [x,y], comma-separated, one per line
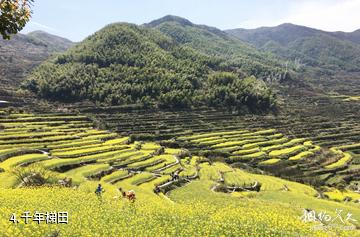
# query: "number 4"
[13,218]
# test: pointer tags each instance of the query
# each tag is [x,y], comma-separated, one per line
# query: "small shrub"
[221,188]
[34,175]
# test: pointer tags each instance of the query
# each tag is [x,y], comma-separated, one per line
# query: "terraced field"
[309,127]
[69,147]
[344,87]
[304,112]
[220,177]
[37,149]
[315,123]
[296,159]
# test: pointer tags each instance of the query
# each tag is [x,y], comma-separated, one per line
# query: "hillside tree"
[14,16]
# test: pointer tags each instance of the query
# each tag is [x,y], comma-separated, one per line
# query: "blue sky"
[76,19]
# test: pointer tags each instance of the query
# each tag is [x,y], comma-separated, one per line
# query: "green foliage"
[227,53]
[318,49]
[14,15]
[226,89]
[129,64]
[34,175]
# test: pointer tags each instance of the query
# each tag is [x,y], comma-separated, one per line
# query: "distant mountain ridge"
[184,22]
[169,18]
[169,62]
[23,52]
[329,51]
[220,45]
[52,42]
[172,62]
[296,31]
[352,36]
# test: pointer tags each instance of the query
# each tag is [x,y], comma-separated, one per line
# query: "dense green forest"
[235,55]
[328,52]
[149,65]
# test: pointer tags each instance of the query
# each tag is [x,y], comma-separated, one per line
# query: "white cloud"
[33,26]
[329,15]
[42,26]
[326,15]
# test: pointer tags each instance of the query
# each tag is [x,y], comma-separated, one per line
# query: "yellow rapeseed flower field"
[150,216]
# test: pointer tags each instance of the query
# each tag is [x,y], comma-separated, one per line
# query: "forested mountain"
[23,52]
[353,36]
[218,44]
[329,51]
[168,63]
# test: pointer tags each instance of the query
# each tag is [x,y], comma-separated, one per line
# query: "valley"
[219,133]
